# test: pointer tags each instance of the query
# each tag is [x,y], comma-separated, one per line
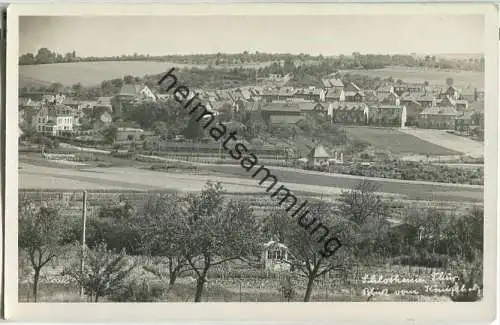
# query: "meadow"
[93,73]
[436,77]
[397,142]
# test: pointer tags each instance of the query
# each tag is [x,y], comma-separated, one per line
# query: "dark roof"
[288,119]
[281,107]
[308,106]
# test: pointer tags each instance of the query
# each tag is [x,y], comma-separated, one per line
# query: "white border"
[302,312]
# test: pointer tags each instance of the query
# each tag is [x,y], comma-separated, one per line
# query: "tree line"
[287,61]
[195,233]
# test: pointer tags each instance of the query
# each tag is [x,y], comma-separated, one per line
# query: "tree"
[194,129]
[109,134]
[56,87]
[449,81]
[103,273]
[40,236]
[160,235]
[44,56]
[305,246]
[215,233]
[128,79]
[365,212]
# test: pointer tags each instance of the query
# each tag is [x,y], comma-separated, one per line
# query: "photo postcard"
[251,162]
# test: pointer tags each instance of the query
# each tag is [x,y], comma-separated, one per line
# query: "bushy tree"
[306,249]
[104,272]
[40,236]
[215,232]
[161,236]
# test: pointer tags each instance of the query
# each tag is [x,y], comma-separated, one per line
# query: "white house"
[275,257]
[54,120]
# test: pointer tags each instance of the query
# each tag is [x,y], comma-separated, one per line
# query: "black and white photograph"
[251,158]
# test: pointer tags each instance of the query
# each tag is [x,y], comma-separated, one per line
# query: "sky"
[326,35]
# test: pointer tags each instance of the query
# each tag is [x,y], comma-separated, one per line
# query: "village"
[396,105]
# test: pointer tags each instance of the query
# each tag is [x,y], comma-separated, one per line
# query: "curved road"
[234,178]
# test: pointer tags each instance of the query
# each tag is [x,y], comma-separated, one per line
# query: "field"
[93,73]
[433,76]
[397,141]
[447,140]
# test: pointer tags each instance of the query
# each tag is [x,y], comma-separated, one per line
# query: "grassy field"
[93,73]
[397,141]
[447,140]
[433,76]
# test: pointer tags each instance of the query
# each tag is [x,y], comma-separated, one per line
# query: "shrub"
[139,291]
[287,288]
[104,272]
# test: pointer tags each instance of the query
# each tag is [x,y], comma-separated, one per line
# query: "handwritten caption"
[437,283]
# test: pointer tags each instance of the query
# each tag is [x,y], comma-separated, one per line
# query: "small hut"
[275,256]
[318,156]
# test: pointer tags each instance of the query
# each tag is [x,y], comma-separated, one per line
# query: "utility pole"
[84,217]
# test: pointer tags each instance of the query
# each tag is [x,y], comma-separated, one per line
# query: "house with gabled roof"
[332,83]
[335,95]
[387,115]
[314,94]
[281,113]
[280,94]
[318,156]
[349,112]
[131,92]
[438,117]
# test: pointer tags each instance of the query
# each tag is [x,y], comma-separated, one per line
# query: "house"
[275,257]
[130,92]
[469,94]
[353,93]
[438,117]
[54,120]
[349,112]
[281,113]
[371,97]
[468,121]
[461,105]
[387,115]
[413,110]
[402,88]
[479,94]
[317,95]
[335,83]
[335,95]
[385,90]
[390,99]
[318,156]
[278,94]
[425,99]
[311,107]
[451,92]
[72,103]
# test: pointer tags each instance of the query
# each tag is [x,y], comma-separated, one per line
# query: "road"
[234,179]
